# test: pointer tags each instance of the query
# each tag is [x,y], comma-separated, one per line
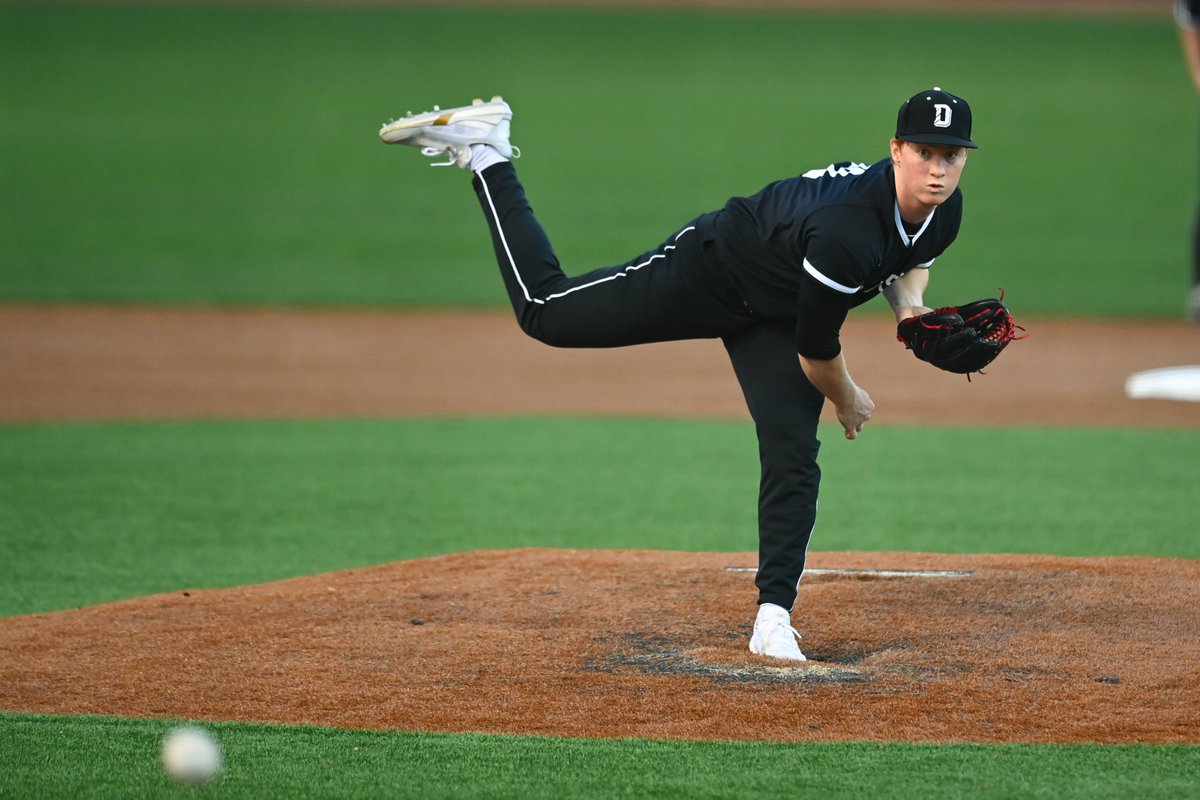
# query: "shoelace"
[776,625]
[433,152]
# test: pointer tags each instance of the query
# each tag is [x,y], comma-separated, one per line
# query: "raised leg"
[664,294]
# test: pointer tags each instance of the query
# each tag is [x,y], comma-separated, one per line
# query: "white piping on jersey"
[542,301]
[832,284]
[904,237]
[622,274]
[503,238]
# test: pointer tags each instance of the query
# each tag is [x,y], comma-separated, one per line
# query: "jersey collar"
[909,241]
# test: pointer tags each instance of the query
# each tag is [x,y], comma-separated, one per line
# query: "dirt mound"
[647,644]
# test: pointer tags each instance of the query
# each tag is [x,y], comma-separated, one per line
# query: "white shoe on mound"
[774,635]
[452,131]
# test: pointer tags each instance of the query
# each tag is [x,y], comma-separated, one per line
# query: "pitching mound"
[648,644]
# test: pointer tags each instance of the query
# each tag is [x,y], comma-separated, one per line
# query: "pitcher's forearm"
[831,378]
[853,406]
[907,294]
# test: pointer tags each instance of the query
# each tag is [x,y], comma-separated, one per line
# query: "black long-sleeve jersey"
[816,245]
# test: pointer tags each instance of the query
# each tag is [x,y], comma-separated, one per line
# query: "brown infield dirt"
[611,644]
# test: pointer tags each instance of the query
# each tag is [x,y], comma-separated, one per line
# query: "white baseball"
[191,755]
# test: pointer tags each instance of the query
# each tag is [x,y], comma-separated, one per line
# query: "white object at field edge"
[877,573]
[1169,383]
[191,755]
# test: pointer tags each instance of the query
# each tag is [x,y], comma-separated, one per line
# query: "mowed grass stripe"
[96,512]
[96,756]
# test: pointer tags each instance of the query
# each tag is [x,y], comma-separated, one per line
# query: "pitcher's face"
[926,175]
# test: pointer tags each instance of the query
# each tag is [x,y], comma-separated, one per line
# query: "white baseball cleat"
[452,131]
[774,635]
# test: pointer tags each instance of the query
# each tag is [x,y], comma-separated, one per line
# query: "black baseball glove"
[961,339]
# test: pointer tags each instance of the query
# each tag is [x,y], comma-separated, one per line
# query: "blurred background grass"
[228,154]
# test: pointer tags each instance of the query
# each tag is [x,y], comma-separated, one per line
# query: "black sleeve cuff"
[819,320]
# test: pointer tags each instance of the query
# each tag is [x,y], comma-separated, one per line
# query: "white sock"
[772,611]
[484,156]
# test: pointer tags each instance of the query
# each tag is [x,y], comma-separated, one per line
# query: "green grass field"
[304,762]
[103,511]
[227,155]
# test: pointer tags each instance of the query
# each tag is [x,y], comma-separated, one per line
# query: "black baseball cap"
[935,116]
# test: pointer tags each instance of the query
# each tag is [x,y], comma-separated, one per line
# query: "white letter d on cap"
[941,115]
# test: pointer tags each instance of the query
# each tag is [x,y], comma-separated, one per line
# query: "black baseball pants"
[677,291]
